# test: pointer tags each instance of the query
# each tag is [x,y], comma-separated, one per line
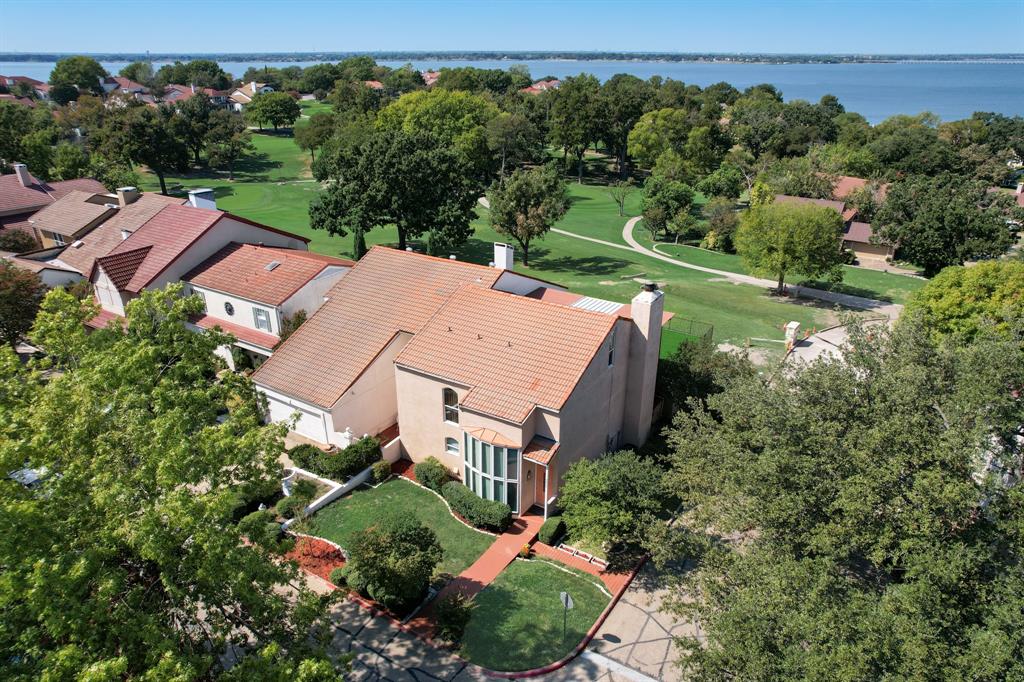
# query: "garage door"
[310,424]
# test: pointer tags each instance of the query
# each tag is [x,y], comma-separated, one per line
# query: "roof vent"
[408,248]
[451,256]
[77,243]
[271,265]
[111,205]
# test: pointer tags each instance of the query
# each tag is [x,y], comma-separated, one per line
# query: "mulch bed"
[316,556]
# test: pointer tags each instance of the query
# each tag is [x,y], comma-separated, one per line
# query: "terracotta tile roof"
[387,292]
[104,318]
[30,264]
[374,85]
[17,199]
[513,352]
[122,266]
[103,239]
[17,221]
[491,436]
[125,83]
[72,213]
[241,270]
[14,99]
[240,332]
[849,214]
[13,80]
[847,183]
[540,450]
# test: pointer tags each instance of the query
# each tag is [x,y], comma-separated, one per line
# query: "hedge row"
[337,466]
[432,474]
[481,513]
[551,530]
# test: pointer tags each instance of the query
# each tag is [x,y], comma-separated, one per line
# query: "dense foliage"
[858,518]
[337,466]
[126,560]
[527,204]
[20,294]
[395,559]
[488,514]
[432,474]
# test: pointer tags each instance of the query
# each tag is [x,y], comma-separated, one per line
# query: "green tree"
[403,80]
[622,100]
[15,124]
[782,238]
[723,220]
[319,77]
[527,204]
[151,139]
[112,174]
[355,98]
[455,118]
[20,293]
[514,139]
[276,108]
[726,181]
[756,123]
[658,132]
[574,117]
[612,500]
[202,73]
[963,302]
[84,73]
[127,560]
[664,203]
[140,72]
[69,162]
[17,241]
[315,133]
[797,177]
[227,140]
[396,558]
[620,191]
[875,534]
[193,122]
[37,151]
[945,220]
[411,180]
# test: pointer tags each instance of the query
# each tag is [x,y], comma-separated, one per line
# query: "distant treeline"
[763,58]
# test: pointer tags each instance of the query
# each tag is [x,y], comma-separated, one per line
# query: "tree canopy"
[127,559]
[20,293]
[527,204]
[83,73]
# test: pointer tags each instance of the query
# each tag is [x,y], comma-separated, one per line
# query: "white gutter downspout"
[546,497]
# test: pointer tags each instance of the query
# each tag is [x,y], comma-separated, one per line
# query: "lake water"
[953,90]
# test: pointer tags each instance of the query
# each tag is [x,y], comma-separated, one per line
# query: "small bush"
[481,513]
[290,507]
[304,489]
[551,530]
[381,471]
[339,576]
[355,580]
[525,551]
[306,456]
[452,615]
[432,474]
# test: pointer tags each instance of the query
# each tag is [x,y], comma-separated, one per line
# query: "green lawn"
[517,623]
[340,520]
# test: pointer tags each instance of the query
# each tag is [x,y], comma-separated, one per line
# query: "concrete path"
[827,343]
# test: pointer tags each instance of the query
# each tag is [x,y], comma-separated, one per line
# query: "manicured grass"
[355,512]
[517,623]
[310,107]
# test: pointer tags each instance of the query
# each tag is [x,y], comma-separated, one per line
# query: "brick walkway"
[612,581]
[499,555]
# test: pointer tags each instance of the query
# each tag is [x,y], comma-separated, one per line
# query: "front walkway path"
[498,556]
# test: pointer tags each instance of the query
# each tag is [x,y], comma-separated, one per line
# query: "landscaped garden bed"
[517,619]
[341,520]
[316,556]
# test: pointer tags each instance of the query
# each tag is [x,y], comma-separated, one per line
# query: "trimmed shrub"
[452,615]
[551,530]
[432,474]
[396,557]
[339,576]
[290,507]
[261,528]
[481,513]
[381,471]
[306,456]
[355,580]
[304,489]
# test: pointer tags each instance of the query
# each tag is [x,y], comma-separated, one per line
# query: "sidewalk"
[497,557]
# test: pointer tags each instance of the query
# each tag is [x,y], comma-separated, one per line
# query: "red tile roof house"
[179,93]
[858,236]
[22,195]
[243,94]
[125,85]
[41,89]
[506,379]
[169,244]
[250,290]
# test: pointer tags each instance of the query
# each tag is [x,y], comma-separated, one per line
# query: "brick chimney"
[127,195]
[24,178]
[646,312]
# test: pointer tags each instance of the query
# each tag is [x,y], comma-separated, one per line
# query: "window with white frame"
[262,318]
[451,446]
[451,405]
[58,239]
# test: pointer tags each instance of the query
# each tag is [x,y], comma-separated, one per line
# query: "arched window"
[451,405]
[451,446]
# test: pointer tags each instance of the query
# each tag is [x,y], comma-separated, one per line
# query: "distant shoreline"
[518,56]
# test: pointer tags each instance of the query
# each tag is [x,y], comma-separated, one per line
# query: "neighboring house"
[541,86]
[504,378]
[250,290]
[22,195]
[41,262]
[14,99]
[179,93]
[430,77]
[171,243]
[71,217]
[241,96]
[41,89]
[374,85]
[122,84]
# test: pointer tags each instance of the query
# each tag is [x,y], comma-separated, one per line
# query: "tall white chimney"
[24,178]
[504,256]
[646,312]
[202,198]
[252,85]
[1020,188]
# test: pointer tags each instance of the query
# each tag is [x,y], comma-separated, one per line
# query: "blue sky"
[792,26]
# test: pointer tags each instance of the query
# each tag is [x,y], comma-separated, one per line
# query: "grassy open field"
[275,187]
[517,620]
[355,512]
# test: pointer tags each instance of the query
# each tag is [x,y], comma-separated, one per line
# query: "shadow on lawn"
[842,288]
[591,265]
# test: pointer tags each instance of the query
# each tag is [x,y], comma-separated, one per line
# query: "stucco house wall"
[244,316]
[311,296]
[370,405]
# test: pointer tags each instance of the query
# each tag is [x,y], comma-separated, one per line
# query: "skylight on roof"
[271,265]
